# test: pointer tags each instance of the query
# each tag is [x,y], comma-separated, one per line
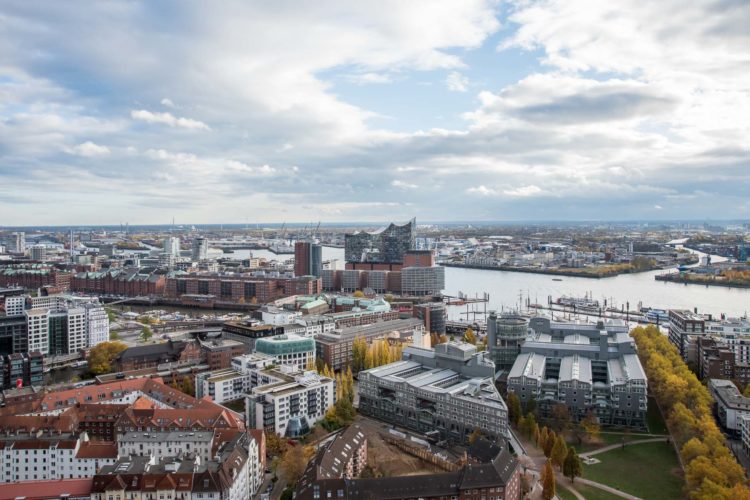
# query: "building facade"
[448,391]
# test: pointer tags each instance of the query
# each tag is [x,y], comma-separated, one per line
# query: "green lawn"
[564,493]
[645,470]
[654,419]
[604,440]
[591,493]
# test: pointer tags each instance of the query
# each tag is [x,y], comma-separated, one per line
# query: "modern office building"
[172,246]
[505,335]
[432,314]
[308,259]
[586,367]
[335,348]
[386,245]
[26,368]
[290,406]
[199,249]
[38,253]
[685,328]
[448,391]
[291,350]
[420,281]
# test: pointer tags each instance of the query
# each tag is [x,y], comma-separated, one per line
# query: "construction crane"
[282,231]
[314,234]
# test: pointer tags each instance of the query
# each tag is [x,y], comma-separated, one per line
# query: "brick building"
[153,355]
[128,282]
[218,353]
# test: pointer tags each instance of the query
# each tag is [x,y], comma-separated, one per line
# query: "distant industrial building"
[448,391]
[586,367]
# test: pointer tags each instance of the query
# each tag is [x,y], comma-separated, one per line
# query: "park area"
[646,470]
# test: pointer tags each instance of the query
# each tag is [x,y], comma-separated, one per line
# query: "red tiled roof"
[43,490]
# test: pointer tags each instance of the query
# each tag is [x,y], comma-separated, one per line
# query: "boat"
[578,302]
[556,279]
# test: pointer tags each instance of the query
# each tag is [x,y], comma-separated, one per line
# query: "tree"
[469,336]
[560,417]
[358,294]
[542,441]
[559,452]
[294,461]
[531,405]
[388,297]
[187,385]
[572,467]
[746,392]
[475,434]
[275,445]
[548,481]
[549,443]
[514,408]
[590,425]
[146,333]
[530,425]
[114,336]
[102,355]
[522,425]
[359,352]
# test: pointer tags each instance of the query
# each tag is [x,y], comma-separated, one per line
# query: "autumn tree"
[572,467]
[559,452]
[358,294]
[294,461]
[590,426]
[475,434]
[560,417]
[514,407]
[470,336]
[359,352]
[102,355]
[542,438]
[548,481]
[531,406]
[275,445]
[530,425]
[549,443]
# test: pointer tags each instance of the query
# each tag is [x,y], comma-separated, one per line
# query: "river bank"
[688,279]
[557,272]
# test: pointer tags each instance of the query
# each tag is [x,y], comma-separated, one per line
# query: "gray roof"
[529,365]
[575,368]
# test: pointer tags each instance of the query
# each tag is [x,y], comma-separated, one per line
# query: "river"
[504,288]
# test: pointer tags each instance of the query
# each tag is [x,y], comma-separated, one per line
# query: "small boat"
[556,279]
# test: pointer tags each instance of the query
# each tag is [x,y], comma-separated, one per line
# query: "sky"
[257,111]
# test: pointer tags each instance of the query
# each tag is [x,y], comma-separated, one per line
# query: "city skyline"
[488,111]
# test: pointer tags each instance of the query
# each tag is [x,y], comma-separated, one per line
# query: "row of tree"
[711,472]
[342,413]
[377,353]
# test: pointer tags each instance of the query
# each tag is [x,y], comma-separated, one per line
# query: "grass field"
[648,470]
[591,493]
[654,420]
[604,440]
[564,493]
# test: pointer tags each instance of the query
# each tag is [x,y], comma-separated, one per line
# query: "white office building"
[37,321]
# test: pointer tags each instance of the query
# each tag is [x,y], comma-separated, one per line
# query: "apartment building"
[290,406]
[730,405]
[685,328]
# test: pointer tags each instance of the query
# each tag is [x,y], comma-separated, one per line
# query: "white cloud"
[403,185]
[457,82]
[369,78]
[482,190]
[658,207]
[167,119]
[167,102]
[88,149]
[523,191]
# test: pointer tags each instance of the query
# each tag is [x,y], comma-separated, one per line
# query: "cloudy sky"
[209,112]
